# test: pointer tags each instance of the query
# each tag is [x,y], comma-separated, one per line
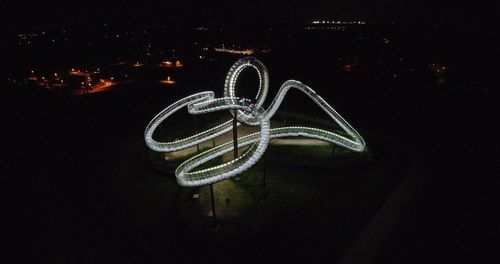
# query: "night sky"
[138,12]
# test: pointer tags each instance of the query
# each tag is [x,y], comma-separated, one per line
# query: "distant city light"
[236,51]
[338,22]
[168,81]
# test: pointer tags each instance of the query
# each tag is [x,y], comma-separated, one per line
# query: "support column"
[264,172]
[196,128]
[214,216]
[235,134]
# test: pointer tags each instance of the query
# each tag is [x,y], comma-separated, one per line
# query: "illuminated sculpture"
[247,114]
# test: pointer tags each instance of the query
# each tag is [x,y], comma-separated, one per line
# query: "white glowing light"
[256,115]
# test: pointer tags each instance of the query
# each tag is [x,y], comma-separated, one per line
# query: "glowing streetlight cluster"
[338,22]
[248,114]
[171,64]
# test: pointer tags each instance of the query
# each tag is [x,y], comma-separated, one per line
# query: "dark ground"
[60,152]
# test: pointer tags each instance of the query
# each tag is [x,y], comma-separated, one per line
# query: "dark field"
[77,187]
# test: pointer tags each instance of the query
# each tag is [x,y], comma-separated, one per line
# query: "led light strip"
[205,102]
